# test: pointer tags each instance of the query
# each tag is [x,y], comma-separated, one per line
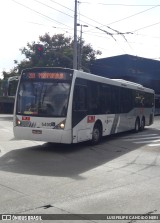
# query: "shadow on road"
[66,160]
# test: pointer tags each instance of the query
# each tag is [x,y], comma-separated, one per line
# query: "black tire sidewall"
[96,128]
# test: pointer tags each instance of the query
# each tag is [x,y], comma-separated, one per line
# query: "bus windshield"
[47,98]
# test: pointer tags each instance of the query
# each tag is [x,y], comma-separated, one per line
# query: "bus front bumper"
[40,134]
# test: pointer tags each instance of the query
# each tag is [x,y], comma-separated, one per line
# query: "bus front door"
[79,114]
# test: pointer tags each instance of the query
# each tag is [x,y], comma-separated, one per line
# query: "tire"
[96,134]
[142,124]
[137,125]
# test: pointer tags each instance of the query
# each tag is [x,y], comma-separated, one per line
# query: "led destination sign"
[46,75]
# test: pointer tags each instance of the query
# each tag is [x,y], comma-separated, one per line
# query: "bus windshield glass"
[43,97]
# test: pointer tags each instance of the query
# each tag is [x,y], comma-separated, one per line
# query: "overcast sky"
[24,21]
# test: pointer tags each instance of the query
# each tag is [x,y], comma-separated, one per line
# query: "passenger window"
[80,98]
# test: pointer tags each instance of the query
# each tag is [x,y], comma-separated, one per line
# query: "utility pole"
[75,38]
[80,47]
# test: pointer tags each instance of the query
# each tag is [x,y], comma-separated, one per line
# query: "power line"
[79,15]
[56,27]
[46,17]
[86,17]
[40,13]
[120,33]
[61,11]
[111,34]
[147,26]
[53,8]
[62,5]
[89,34]
[108,33]
[133,15]
[73,11]
[65,13]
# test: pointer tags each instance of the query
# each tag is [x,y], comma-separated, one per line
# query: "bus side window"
[93,97]
[80,98]
[149,100]
[115,100]
[105,99]
[126,102]
[139,99]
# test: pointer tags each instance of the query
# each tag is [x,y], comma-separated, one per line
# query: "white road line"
[134,139]
[142,135]
[148,139]
[156,144]
[144,142]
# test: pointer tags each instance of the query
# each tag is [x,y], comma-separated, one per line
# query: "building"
[132,68]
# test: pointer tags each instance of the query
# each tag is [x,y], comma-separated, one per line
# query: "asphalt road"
[121,175]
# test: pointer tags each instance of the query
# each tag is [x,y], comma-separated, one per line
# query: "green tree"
[58,52]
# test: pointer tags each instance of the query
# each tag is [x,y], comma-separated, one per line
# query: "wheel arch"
[97,132]
[99,122]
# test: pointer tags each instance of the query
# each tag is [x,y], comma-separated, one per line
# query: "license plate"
[37,131]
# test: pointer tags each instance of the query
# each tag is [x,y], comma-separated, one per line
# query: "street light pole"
[75,38]
[80,47]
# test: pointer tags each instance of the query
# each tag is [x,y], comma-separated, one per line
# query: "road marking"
[152,145]
[141,135]
[148,139]
[145,142]
[152,137]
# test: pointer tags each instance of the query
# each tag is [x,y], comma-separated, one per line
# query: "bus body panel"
[83,130]
[111,124]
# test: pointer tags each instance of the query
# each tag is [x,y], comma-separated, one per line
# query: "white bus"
[70,106]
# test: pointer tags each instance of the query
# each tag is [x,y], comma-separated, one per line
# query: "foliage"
[58,52]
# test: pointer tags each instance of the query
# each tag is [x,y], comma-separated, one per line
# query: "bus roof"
[116,82]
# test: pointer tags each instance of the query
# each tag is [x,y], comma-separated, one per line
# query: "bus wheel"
[96,134]
[142,124]
[137,125]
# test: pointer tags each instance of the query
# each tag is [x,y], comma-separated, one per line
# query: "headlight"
[18,122]
[61,125]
